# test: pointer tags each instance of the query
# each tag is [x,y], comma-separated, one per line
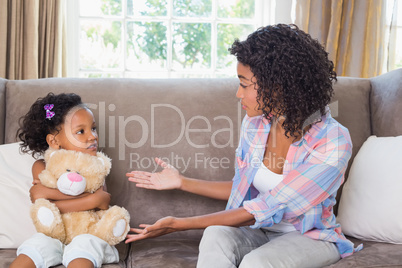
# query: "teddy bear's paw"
[47,219]
[71,183]
[113,225]
[119,228]
[45,216]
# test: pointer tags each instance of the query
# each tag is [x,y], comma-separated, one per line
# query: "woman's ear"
[51,140]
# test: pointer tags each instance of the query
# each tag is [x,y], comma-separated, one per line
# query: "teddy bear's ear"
[102,161]
[49,153]
[106,162]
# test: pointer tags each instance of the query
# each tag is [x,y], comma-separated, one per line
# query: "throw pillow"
[371,201]
[15,181]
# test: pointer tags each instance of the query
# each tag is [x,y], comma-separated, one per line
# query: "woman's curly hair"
[34,126]
[293,73]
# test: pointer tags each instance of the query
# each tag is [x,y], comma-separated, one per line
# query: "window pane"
[192,8]
[398,52]
[146,45]
[227,33]
[191,45]
[146,7]
[146,75]
[99,75]
[189,75]
[100,8]
[236,9]
[100,44]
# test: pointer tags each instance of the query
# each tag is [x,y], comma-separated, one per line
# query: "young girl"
[62,122]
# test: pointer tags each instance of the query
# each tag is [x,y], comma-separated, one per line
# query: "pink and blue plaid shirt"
[313,172]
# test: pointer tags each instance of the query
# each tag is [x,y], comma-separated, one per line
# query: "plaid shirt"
[313,172]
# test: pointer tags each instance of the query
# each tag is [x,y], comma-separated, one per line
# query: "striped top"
[312,174]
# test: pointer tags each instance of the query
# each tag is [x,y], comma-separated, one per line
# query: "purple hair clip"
[49,114]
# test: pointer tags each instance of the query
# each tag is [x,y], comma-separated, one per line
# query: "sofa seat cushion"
[163,252]
[373,254]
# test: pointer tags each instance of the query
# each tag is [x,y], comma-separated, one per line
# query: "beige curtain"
[32,37]
[352,31]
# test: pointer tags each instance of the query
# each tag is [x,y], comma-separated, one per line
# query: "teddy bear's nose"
[74,177]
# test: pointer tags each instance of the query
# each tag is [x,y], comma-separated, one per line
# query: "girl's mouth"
[93,147]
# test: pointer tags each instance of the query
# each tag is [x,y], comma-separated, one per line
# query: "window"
[159,38]
[394,21]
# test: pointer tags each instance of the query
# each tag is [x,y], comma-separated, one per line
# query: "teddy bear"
[74,173]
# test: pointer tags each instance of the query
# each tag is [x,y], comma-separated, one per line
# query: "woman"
[291,160]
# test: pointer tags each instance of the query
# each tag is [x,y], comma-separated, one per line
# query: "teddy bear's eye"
[68,170]
[78,173]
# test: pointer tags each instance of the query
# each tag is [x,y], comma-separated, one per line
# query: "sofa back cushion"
[386,104]
[2,108]
[193,124]
[351,107]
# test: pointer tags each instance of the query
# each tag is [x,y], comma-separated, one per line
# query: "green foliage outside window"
[191,42]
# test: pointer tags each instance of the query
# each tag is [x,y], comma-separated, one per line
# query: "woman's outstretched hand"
[159,228]
[169,178]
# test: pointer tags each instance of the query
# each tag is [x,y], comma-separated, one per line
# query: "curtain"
[32,37]
[352,31]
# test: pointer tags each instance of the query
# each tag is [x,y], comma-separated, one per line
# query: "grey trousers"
[224,247]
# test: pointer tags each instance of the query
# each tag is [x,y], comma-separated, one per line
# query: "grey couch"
[194,124]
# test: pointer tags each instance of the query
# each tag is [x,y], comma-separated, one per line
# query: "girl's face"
[247,91]
[78,133]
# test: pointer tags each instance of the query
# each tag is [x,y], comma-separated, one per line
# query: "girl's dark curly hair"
[293,73]
[34,127]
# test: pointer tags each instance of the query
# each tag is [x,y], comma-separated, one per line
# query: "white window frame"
[265,13]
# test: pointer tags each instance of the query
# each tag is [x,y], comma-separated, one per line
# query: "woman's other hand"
[169,178]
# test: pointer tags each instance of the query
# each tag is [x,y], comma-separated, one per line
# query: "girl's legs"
[22,260]
[225,247]
[80,263]
[40,251]
[291,250]
[89,251]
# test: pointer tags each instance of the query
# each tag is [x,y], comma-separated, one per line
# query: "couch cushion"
[371,197]
[386,108]
[2,108]
[374,254]
[15,179]
[352,96]
[163,252]
[202,116]
[350,106]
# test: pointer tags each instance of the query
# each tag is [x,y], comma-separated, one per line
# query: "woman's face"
[247,91]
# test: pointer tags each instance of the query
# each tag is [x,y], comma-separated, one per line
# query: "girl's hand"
[161,227]
[169,178]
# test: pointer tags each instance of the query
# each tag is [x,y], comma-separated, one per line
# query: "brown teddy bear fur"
[65,227]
